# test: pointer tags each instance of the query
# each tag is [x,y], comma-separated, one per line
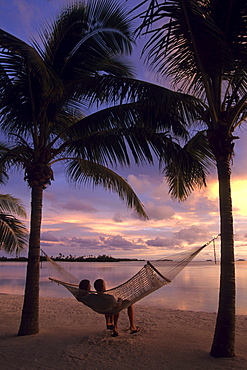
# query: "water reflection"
[195,288]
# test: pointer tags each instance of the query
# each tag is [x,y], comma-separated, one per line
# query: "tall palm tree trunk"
[30,312]
[224,337]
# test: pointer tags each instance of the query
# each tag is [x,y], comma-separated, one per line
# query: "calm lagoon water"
[196,288]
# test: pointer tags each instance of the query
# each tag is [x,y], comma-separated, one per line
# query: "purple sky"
[86,221]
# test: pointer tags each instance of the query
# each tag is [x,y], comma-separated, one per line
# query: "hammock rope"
[152,276]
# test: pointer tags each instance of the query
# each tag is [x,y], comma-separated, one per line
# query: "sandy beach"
[74,337]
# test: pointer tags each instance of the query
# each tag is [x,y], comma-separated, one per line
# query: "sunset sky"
[86,221]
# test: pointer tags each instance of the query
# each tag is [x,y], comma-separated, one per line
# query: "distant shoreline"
[102,258]
[91,259]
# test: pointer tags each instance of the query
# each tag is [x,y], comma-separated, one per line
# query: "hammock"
[152,276]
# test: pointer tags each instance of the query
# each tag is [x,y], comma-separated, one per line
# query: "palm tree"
[200,45]
[13,232]
[43,93]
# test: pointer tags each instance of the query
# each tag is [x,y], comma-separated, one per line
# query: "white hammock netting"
[152,276]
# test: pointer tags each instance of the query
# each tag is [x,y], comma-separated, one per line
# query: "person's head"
[85,285]
[100,285]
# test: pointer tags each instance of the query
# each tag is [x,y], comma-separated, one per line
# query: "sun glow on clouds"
[239,188]
[102,229]
[238,191]
[81,222]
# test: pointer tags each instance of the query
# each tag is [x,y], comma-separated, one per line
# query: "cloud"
[43,244]
[160,242]
[99,245]
[141,184]
[192,234]
[206,205]
[74,204]
[117,218]
[119,242]
[49,196]
[161,191]
[48,236]
[82,242]
[157,213]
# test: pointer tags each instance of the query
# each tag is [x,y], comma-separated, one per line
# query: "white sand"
[74,337]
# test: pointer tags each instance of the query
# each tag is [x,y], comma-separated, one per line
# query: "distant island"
[70,258]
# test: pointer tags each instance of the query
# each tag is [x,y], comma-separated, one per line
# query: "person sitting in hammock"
[85,287]
[100,287]
[109,299]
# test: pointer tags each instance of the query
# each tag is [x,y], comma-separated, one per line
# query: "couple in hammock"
[107,304]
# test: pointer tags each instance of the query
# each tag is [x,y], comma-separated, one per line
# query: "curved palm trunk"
[30,312]
[224,337]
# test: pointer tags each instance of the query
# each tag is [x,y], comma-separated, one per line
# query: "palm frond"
[111,135]
[15,156]
[10,204]
[173,110]
[3,173]
[28,82]
[190,40]
[13,234]
[86,35]
[186,167]
[17,57]
[82,172]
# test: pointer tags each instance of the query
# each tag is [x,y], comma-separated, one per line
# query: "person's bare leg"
[115,329]
[109,321]
[131,319]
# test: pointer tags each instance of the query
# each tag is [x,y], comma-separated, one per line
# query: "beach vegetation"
[200,47]
[70,258]
[13,232]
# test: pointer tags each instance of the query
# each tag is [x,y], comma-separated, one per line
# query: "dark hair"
[99,285]
[84,284]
